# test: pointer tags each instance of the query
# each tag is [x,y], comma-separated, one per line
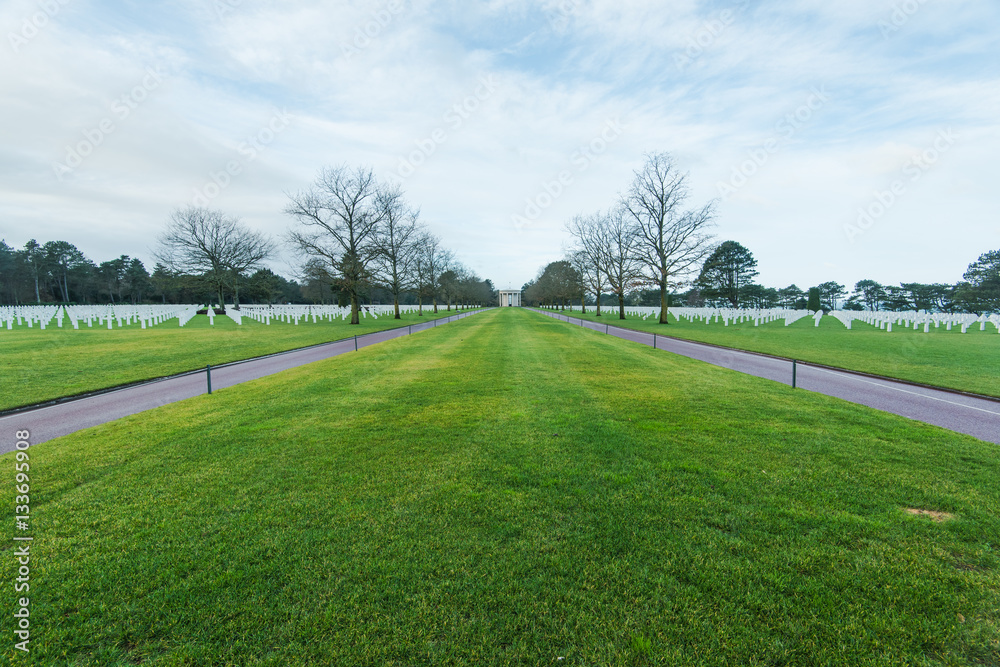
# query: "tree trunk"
[355,308]
[583,304]
[598,303]
[395,303]
[435,301]
[218,288]
[621,305]
[664,315]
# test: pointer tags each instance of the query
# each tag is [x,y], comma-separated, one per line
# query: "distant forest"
[726,280]
[58,272]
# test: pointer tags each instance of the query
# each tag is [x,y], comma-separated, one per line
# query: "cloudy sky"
[844,140]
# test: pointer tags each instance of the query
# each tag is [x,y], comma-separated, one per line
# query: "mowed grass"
[512,490]
[967,362]
[38,365]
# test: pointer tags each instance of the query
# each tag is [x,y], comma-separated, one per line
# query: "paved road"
[978,417]
[63,418]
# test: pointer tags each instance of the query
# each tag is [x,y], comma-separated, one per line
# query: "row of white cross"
[724,315]
[884,320]
[293,314]
[123,315]
[29,315]
[914,320]
[147,316]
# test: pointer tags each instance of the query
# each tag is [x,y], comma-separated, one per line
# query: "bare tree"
[420,269]
[556,283]
[428,265]
[208,242]
[672,241]
[247,251]
[578,260]
[317,282]
[619,255]
[438,262]
[339,221]
[448,284]
[397,242]
[588,239]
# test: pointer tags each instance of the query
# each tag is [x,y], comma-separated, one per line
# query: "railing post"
[355,343]
[795,368]
[654,341]
[208,375]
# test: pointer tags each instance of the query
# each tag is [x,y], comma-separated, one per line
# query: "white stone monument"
[510,298]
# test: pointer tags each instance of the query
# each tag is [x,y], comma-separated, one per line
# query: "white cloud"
[366,84]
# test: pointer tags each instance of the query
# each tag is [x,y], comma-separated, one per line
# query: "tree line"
[647,245]
[357,237]
[355,231]
[647,238]
[59,272]
[726,280]
[727,276]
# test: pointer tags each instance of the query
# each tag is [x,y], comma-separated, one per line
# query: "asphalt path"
[972,415]
[53,421]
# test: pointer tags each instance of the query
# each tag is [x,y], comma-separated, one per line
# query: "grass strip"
[509,490]
[949,359]
[37,366]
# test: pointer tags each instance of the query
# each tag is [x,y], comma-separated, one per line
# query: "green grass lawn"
[966,362]
[509,490]
[37,365]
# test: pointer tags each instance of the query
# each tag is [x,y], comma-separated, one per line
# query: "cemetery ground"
[967,362]
[513,490]
[38,365]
